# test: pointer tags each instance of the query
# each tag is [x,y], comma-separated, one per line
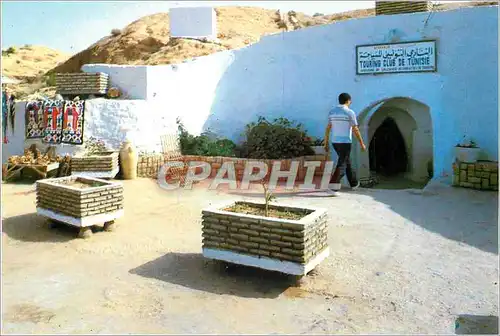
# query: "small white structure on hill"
[193,22]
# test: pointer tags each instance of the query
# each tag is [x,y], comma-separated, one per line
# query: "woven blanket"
[52,120]
[72,131]
[34,120]
[5,114]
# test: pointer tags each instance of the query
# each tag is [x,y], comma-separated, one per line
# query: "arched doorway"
[399,137]
[387,150]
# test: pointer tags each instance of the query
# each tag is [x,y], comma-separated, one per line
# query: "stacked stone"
[78,203]
[104,162]
[401,7]
[149,165]
[482,175]
[82,83]
[270,238]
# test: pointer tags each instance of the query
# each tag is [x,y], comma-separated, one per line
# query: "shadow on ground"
[466,216]
[476,325]
[193,271]
[34,228]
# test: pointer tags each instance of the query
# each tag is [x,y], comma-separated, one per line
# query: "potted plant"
[318,145]
[95,161]
[467,151]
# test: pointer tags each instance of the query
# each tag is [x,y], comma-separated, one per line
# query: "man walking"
[342,123]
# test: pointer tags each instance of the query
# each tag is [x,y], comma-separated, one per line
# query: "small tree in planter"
[268,196]
[467,150]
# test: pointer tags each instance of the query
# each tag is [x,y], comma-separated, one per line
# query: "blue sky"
[72,26]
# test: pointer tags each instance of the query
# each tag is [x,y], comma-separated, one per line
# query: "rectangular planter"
[99,202]
[82,83]
[288,246]
[102,165]
[319,150]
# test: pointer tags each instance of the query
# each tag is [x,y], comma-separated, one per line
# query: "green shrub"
[279,139]
[206,144]
[51,79]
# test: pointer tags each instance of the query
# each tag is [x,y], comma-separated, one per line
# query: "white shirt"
[341,119]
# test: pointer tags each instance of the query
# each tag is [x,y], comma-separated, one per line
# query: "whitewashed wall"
[106,120]
[132,80]
[188,90]
[193,22]
[299,74]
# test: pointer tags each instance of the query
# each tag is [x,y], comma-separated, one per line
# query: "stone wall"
[401,7]
[482,175]
[294,241]
[82,83]
[239,164]
[104,163]
[56,195]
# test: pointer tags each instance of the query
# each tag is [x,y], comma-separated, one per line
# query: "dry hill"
[29,65]
[147,40]
[29,62]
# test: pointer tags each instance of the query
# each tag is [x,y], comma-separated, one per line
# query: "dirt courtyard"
[400,263]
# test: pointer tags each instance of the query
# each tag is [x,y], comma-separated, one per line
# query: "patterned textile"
[52,121]
[72,127]
[34,120]
[5,114]
[12,112]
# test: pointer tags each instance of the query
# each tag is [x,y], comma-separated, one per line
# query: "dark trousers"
[344,167]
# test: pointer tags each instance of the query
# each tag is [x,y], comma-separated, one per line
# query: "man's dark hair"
[344,98]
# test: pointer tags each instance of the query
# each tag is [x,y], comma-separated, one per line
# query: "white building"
[299,74]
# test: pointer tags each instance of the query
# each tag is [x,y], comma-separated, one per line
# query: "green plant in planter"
[470,143]
[94,146]
[277,139]
[318,142]
[206,144]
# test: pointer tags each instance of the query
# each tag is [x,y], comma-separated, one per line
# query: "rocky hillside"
[147,40]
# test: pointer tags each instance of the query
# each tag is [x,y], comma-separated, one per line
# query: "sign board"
[396,58]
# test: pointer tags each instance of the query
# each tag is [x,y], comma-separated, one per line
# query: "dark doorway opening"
[387,150]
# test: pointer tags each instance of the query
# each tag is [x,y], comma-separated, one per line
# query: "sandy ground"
[400,263]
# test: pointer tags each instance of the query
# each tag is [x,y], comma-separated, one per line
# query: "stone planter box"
[80,201]
[467,155]
[482,175]
[287,246]
[101,165]
[319,150]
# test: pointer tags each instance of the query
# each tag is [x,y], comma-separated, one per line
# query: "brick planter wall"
[57,196]
[297,241]
[482,175]
[103,165]
[401,7]
[239,164]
